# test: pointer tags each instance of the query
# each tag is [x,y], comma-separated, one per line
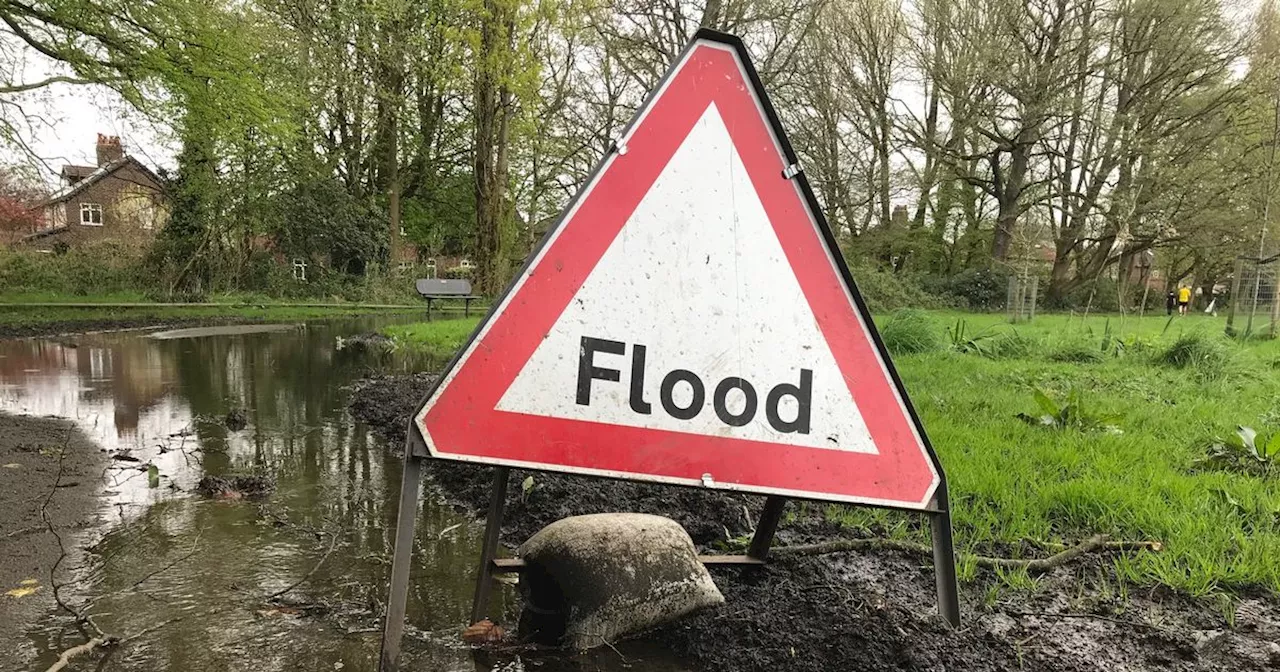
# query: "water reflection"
[208,564]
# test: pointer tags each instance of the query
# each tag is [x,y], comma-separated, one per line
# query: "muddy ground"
[40,485]
[94,325]
[869,611]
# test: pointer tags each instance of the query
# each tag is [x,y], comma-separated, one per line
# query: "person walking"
[1184,299]
[1170,302]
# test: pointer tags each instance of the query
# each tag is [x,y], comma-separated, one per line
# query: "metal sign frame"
[416,450]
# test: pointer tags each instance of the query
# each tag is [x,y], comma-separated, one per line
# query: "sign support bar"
[944,558]
[402,556]
[492,530]
[762,539]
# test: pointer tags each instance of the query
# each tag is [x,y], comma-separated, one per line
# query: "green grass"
[910,332]
[437,339]
[18,317]
[1012,482]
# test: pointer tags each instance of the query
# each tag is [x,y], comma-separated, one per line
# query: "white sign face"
[693,321]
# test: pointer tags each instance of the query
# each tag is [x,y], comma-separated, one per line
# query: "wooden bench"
[440,288]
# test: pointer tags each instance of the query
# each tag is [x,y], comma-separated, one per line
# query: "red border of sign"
[459,420]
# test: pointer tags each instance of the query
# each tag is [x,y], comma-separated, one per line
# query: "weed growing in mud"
[910,332]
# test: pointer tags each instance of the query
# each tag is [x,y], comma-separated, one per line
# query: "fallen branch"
[195,546]
[65,658]
[333,543]
[48,522]
[1121,546]
[1038,565]
[25,530]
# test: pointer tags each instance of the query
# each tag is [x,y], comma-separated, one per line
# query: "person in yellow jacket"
[1184,299]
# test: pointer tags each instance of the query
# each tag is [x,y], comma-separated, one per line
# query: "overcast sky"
[62,123]
[64,120]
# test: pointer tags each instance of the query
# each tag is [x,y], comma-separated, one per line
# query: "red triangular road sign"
[690,320]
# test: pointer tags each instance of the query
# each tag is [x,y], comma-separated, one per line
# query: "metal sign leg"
[944,559]
[765,529]
[401,560]
[492,528]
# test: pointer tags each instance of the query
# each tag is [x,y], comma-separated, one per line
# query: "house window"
[300,270]
[403,232]
[404,267]
[91,214]
[466,263]
[431,266]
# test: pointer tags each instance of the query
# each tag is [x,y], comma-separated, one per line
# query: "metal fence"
[1255,310]
[1021,297]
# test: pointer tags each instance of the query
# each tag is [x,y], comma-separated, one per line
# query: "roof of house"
[95,175]
[78,171]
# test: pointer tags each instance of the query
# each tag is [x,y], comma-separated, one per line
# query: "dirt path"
[38,481]
[872,611]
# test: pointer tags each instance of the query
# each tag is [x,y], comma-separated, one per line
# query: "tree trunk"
[1010,194]
[491,112]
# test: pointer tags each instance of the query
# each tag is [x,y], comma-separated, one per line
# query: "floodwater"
[191,574]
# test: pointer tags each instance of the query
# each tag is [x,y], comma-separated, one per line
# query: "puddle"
[161,399]
[226,330]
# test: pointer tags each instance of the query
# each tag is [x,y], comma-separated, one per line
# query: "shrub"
[973,288]
[909,332]
[1209,357]
[884,291]
[457,273]
[96,268]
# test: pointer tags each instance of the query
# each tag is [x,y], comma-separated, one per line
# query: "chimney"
[109,149]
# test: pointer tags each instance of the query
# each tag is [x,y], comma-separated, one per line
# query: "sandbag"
[596,578]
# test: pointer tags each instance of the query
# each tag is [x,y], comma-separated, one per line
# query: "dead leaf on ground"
[483,632]
[21,592]
[280,612]
[13,465]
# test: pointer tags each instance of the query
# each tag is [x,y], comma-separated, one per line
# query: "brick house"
[120,200]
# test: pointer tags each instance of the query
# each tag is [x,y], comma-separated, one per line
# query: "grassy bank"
[33,314]
[436,339]
[1138,405]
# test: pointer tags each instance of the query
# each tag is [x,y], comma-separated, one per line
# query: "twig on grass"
[1122,546]
[1037,565]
